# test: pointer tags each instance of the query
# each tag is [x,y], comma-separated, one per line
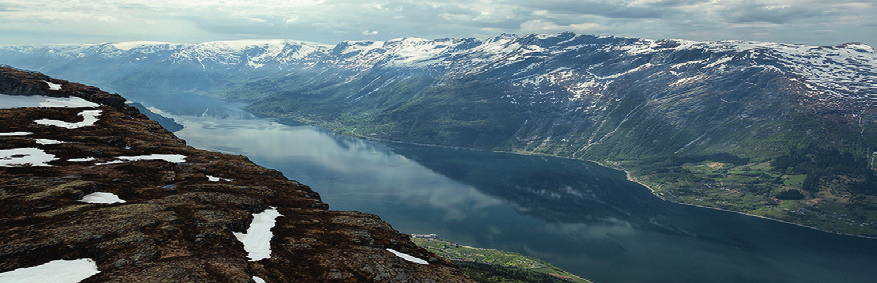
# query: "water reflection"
[344,170]
[577,215]
[553,189]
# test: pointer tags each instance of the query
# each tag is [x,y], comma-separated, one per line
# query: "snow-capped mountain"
[566,78]
[755,113]
[578,64]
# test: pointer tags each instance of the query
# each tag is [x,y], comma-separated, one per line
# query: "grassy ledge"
[488,265]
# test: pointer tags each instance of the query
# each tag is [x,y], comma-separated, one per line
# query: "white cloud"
[584,27]
[43,21]
[107,18]
[539,26]
[772,7]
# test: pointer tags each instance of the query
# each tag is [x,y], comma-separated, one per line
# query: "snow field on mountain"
[414,51]
[125,46]
[842,69]
[843,72]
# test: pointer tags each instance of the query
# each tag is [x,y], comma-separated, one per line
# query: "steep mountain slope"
[780,130]
[113,197]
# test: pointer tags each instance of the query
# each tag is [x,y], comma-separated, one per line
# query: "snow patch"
[89,117]
[722,60]
[173,158]
[217,179]
[48,142]
[53,86]
[408,257]
[413,51]
[86,159]
[19,101]
[15,134]
[25,156]
[840,71]
[240,45]
[258,279]
[101,197]
[257,240]
[362,47]
[642,46]
[688,80]
[637,69]
[255,65]
[57,271]
[680,65]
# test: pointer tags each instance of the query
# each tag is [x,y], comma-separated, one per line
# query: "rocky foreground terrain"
[98,182]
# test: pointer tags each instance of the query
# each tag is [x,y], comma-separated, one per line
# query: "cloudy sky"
[814,22]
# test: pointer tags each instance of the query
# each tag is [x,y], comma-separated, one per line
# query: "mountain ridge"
[133,203]
[665,110]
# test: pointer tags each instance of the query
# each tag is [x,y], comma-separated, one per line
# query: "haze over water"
[577,215]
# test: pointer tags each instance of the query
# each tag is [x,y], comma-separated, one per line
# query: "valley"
[752,127]
[581,217]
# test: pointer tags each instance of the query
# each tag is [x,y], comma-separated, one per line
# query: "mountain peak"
[125,46]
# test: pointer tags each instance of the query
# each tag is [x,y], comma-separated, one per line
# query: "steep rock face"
[181,209]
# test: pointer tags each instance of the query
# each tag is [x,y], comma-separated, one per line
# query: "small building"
[424,236]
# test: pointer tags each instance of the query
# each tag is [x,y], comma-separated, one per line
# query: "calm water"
[579,216]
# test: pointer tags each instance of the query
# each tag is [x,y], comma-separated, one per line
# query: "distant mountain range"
[780,130]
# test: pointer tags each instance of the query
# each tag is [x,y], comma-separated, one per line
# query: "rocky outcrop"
[182,206]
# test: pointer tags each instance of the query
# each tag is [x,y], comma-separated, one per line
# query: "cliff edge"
[85,177]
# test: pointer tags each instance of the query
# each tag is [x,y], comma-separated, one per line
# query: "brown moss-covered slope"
[176,225]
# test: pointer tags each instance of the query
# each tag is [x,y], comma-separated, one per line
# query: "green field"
[831,201]
[488,265]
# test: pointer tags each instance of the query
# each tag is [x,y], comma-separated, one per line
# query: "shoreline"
[633,179]
[627,173]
